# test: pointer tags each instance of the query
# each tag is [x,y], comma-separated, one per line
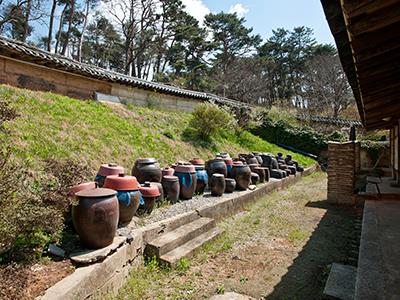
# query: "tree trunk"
[26,21]
[83,31]
[71,17]
[60,28]
[50,35]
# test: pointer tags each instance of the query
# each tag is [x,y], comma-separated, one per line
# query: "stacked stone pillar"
[343,166]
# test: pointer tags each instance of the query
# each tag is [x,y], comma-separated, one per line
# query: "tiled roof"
[22,51]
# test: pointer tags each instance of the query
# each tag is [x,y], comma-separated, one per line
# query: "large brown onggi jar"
[171,188]
[107,170]
[261,173]
[128,194]
[217,184]
[216,166]
[230,185]
[202,179]
[147,169]
[242,175]
[95,218]
[187,180]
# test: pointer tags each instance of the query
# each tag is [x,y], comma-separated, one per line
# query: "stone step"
[187,249]
[341,282]
[173,239]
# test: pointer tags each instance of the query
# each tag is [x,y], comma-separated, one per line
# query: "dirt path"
[280,248]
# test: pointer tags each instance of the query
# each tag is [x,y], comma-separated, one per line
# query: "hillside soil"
[280,248]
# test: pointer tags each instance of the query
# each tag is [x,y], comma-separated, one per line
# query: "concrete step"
[173,239]
[187,249]
[341,282]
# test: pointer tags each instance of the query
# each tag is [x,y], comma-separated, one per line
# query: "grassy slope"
[54,126]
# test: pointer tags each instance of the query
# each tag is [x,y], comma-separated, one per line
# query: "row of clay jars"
[219,184]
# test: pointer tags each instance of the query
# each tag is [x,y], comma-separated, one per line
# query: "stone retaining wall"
[106,277]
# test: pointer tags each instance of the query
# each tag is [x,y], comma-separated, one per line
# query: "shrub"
[209,120]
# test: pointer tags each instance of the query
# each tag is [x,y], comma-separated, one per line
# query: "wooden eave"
[367,35]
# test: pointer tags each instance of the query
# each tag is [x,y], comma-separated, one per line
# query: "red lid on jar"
[110,169]
[121,182]
[185,169]
[228,161]
[82,186]
[149,190]
[96,193]
[238,163]
[197,161]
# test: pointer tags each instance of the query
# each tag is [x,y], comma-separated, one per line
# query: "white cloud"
[239,9]
[197,9]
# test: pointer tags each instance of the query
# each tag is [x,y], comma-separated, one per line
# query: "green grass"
[59,127]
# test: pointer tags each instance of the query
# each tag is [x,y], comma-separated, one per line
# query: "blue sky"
[266,15]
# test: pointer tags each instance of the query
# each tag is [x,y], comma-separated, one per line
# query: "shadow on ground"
[330,242]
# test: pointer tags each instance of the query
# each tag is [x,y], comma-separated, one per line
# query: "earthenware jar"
[128,195]
[230,185]
[254,178]
[267,160]
[96,217]
[288,160]
[171,188]
[107,170]
[160,189]
[187,180]
[223,155]
[149,194]
[167,171]
[261,173]
[292,170]
[267,173]
[242,176]
[299,169]
[251,159]
[217,184]
[253,166]
[197,161]
[278,174]
[258,157]
[202,179]
[279,158]
[229,163]
[147,169]
[216,165]
[274,163]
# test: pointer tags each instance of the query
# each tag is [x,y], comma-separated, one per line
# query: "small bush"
[209,120]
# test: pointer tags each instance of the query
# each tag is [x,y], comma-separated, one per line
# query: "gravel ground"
[181,207]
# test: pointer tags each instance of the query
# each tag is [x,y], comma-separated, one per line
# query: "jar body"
[171,189]
[217,185]
[128,204]
[242,176]
[187,184]
[216,166]
[147,170]
[230,185]
[96,220]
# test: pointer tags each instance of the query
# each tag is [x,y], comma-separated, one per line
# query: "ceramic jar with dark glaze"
[229,163]
[267,160]
[147,169]
[292,170]
[230,185]
[242,176]
[266,173]
[171,188]
[251,159]
[128,195]
[216,166]
[217,184]
[253,166]
[160,189]
[261,173]
[258,157]
[149,194]
[107,170]
[187,180]
[96,217]
[254,178]
[167,171]
[202,179]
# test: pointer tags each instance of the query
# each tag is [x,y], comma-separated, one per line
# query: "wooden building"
[367,35]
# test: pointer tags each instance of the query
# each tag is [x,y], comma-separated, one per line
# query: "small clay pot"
[258,157]
[202,179]
[261,173]
[292,170]
[167,171]
[187,180]
[278,174]
[107,170]
[230,185]
[242,176]
[161,190]
[171,188]
[300,169]
[253,166]
[128,195]
[149,194]
[96,216]
[254,178]
[147,169]
[217,184]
